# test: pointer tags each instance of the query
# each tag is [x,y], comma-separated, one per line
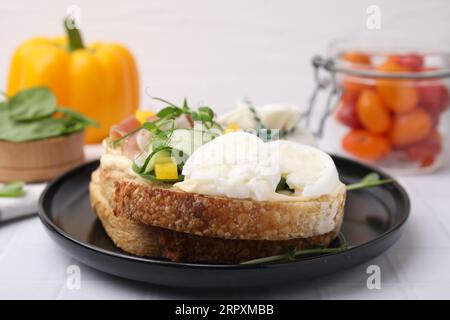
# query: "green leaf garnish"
[290,253]
[369,181]
[297,253]
[169,112]
[13,189]
[283,186]
[162,131]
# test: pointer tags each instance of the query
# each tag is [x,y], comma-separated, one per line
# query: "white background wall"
[219,51]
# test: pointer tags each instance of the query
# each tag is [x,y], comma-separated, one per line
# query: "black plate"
[372,223]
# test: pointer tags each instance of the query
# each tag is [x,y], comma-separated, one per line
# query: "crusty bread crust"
[144,240]
[227,218]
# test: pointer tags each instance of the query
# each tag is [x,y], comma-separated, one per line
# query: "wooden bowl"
[41,160]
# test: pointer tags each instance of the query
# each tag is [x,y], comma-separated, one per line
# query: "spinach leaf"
[12,189]
[77,117]
[32,104]
[30,115]
[18,131]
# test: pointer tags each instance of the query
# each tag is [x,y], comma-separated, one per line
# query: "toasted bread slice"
[143,240]
[227,218]
[156,220]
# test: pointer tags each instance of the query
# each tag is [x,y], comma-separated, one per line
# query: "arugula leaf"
[32,104]
[370,180]
[13,189]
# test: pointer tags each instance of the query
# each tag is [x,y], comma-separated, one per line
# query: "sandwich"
[180,185]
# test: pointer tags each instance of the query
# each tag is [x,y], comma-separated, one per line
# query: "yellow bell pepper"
[100,81]
[232,127]
[143,115]
[166,169]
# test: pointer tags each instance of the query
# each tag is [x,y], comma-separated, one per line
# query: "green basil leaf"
[13,189]
[32,104]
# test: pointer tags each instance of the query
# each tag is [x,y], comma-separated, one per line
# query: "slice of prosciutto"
[139,142]
[136,142]
[127,125]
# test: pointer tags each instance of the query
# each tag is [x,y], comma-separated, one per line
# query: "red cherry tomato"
[366,145]
[372,112]
[347,115]
[399,95]
[357,57]
[434,98]
[412,60]
[426,151]
[410,128]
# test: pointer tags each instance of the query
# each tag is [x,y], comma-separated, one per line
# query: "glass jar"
[388,107]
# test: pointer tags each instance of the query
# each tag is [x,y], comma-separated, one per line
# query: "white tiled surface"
[218,52]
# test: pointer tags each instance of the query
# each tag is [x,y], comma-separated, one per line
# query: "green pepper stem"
[73,34]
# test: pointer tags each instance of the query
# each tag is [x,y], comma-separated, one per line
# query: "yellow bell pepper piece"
[143,115]
[166,169]
[232,127]
[100,80]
